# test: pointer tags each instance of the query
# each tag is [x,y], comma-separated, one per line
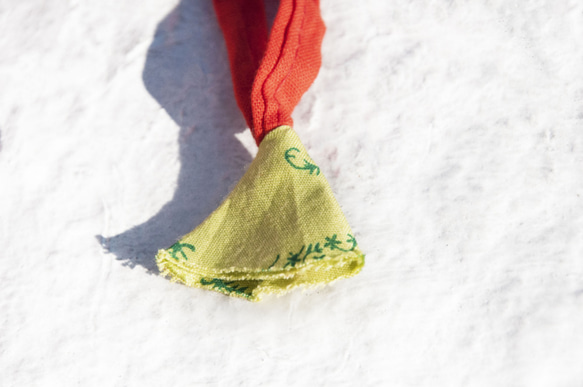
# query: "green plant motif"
[178,248]
[332,243]
[274,262]
[308,166]
[352,241]
[225,286]
[294,258]
[316,249]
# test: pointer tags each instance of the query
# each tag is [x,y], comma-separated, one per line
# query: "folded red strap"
[270,77]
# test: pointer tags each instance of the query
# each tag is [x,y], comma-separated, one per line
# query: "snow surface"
[451,132]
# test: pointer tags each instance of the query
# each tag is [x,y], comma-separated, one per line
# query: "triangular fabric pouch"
[280,227]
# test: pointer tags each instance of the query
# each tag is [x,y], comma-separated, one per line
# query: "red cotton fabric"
[270,76]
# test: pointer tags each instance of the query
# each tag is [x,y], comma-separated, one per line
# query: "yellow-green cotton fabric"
[280,227]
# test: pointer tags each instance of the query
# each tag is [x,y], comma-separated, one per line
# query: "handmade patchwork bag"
[281,226]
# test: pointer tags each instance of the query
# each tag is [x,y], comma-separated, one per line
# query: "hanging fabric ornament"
[281,226]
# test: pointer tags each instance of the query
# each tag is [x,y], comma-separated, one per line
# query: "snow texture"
[450,131]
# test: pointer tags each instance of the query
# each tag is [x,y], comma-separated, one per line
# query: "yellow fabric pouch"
[279,228]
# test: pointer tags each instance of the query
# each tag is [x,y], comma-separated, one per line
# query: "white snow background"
[450,131]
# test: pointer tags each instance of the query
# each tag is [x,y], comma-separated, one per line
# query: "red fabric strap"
[270,77]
